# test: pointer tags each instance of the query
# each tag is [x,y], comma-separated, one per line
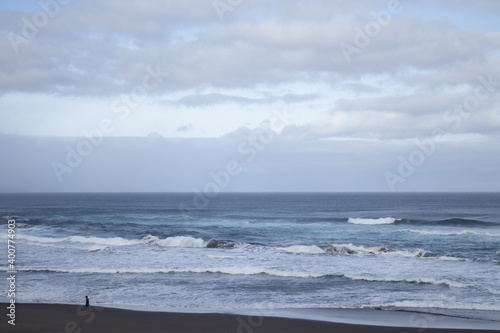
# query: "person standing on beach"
[87,304]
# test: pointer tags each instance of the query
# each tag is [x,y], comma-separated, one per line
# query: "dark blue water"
[438,251]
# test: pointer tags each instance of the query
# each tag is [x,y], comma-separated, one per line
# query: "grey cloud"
[413,103]
[217,98]
[360,88]
[102,48]
[185,128]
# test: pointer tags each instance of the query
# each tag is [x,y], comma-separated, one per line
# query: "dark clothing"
[86,301]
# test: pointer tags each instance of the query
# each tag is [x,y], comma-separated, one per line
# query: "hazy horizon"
[250,96]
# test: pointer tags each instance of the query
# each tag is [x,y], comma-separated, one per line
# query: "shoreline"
[42,317]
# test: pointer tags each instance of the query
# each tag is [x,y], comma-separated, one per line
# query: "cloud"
[102,47]
[185,128]
[213,99]
[223,74]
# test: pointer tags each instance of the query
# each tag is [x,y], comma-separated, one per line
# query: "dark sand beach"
[71,318]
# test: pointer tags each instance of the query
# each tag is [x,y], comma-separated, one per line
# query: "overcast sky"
[317,95]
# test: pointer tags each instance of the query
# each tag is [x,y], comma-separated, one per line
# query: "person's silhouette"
[87,304]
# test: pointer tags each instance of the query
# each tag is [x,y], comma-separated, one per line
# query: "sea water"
[424,251]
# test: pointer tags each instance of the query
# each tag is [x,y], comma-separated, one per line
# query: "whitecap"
[302,249]
[182,241]
[382,220]
[364,250]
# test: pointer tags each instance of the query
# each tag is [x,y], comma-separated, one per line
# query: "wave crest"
[382,220]
[446,282]
[221,270]
[466,233]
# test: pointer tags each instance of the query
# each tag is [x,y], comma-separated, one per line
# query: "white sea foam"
[221,270]
[97,248]
[364,250]
[494,291]
[446,258]
[178,241]
[225,257]
[445,304]
[447,282]
[351,249]
[113,241]
[182,241]
[453,233]
[42,239]
[302,249]
[382,220]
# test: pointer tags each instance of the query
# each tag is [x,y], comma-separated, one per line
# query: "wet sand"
[72,319]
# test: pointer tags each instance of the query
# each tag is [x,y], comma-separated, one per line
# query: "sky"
[249,95]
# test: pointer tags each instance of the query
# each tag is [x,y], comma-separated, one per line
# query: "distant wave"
[382,220]
[105,244]
[453,222]
[446,282]
[464,222]
[456,233]
[176,241]
[221,270]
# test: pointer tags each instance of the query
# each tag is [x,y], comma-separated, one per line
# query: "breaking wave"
[382,220]
[302,249]
[222,270]
[362,249]
[350,249]
[446,282]
[176,241]
[105,244]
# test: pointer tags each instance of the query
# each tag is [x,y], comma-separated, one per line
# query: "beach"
[71,318]
[292,262]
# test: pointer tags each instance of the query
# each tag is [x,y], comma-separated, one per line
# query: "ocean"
[433,252]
